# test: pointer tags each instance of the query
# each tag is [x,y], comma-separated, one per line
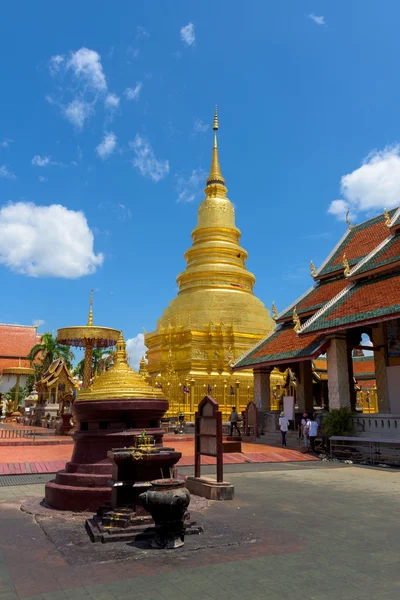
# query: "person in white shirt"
[312,430]
[283,426]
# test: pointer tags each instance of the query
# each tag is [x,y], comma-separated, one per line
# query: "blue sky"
[105,132]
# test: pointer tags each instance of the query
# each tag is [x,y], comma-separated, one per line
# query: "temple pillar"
[338,373]
[192,391]
[237,393]
[379,344]
[305,398]
[262,389]
[352,389]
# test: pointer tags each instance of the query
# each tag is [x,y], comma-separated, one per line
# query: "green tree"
[101,359]
[10,397]
[338,422]
[46,351]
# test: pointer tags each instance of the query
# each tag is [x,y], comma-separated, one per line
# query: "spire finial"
[215,126]
[313,269]
[120,355]
[90,318]
[215,176]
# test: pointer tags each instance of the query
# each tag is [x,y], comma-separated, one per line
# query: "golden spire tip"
[215,126]
[90,318]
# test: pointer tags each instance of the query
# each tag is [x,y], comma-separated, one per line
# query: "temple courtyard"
[308,530]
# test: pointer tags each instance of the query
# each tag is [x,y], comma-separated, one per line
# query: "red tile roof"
[375,295]
[363,366]
[363,242]
[284,345]
[317,297]
[366,384]
[16,341]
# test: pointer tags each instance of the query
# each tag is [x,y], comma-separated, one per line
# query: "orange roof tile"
[363,366]
[363,242]
[16,341]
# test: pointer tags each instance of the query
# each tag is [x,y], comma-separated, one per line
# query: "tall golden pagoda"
[215,317]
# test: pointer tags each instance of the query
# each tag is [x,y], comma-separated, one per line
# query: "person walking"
[233,419]
[312,430]
[304,436]
[283,426]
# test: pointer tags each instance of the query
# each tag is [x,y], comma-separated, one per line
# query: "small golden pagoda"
[215,317]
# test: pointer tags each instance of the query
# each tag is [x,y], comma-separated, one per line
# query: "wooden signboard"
[208,434]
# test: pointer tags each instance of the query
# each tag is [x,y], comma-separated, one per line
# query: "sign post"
[208,442]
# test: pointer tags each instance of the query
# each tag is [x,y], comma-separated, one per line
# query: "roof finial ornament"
[90,318]
[346,266]
[388,221]
[296,321]
[313,269]
[215,126]
[274,311]
[349,225]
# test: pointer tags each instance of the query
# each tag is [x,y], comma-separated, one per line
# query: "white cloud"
[41,161]
[190,187]
[86,66]
[46,241]
[135,349]
[373,186]
[199,126]
[134,52]
[187,34]
[134,93]
[338,208]
[318,20]
[141,32]
[77,112]
[5,142]
[55,64]
[111,101]
[107,145]
[42,179]
[4,172]
[145,160]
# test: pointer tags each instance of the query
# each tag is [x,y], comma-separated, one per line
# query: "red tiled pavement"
[49,459]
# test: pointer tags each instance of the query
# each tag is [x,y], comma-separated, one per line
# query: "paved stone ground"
[42,458]
[309,531]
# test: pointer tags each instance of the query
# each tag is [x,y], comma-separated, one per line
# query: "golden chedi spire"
[120,382]
[216,285]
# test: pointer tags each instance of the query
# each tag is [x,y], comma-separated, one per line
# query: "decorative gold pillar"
[192,391]
[87,368]
[16,393]
[338,373]
[379,343]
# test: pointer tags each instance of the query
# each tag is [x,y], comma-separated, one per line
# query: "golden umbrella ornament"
[88,336]
[18,372]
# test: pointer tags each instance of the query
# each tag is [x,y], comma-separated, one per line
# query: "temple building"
[55,388]
[356,293]
[215,317]
[16,341]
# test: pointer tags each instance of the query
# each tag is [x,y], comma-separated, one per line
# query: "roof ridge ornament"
[388,220]
[313,269]
[349,225]
[346,265]
[274,311]
[296,321]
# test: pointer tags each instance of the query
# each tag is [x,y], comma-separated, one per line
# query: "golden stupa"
[120,382]
[215,317]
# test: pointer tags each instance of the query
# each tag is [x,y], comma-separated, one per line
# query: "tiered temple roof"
[358,284]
